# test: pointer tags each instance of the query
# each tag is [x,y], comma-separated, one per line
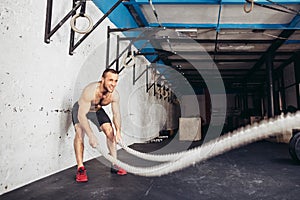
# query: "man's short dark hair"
[109,70]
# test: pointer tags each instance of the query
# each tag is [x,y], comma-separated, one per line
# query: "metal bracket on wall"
[48,31]
[128,49]
[160,89]
[159,83]
[75,6]
[118,54]
[143,37]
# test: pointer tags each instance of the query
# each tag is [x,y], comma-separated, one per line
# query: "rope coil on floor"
[225,143]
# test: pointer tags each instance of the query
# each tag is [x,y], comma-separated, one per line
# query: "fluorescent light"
[186,30]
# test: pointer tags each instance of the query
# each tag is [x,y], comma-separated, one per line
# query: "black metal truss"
[76,4]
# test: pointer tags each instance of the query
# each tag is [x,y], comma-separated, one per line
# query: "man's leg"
[111,145]
[110,138]
[81,175]
[78,145]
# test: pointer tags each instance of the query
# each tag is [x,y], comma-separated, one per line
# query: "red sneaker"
[117,170]
[81,175]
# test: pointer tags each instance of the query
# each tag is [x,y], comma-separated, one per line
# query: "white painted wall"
[39,84]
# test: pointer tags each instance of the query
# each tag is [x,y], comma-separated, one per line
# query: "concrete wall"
[290,79]
[39,84]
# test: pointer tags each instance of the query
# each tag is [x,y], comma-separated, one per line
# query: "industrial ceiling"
[238,35]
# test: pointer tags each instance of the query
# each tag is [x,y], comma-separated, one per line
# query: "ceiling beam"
[191,40]
[230,53]
[284,35]
[225,26]
[231,60]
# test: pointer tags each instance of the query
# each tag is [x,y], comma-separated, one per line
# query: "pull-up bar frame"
[75,6]
[119,67]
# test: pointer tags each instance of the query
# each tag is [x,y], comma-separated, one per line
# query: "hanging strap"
[154,12]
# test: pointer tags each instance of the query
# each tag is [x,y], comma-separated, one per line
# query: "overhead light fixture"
[186,30]
[235,47]
[246,47]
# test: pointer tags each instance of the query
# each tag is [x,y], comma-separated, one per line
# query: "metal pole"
[282,91]
[133,75]
[48,21]
[72,34]
[121,29]
[262,105]
[154,86]
[297,77]
[107,46]
[147,78]
[117,52]
[270,85]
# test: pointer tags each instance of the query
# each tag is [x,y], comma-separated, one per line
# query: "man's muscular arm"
[84,107]
[115,105]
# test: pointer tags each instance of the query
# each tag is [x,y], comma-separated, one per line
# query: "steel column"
[282,91]
[297,77]
[117,53]
[270,84]
[107,46]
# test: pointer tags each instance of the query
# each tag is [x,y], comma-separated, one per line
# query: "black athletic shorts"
[98,118]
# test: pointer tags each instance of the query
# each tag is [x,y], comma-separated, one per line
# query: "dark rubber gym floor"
[262,170]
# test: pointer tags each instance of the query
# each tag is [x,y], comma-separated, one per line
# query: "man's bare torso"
[99,99]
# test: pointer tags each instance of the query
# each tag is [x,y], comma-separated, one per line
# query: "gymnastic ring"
[72,23]
[128,60]
[251,7]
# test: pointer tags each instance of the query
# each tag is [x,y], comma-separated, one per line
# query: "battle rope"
[225,143]
[151,157]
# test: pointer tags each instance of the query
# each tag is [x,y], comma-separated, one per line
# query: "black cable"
[83,7]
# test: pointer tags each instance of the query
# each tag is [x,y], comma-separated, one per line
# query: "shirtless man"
[89,106]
